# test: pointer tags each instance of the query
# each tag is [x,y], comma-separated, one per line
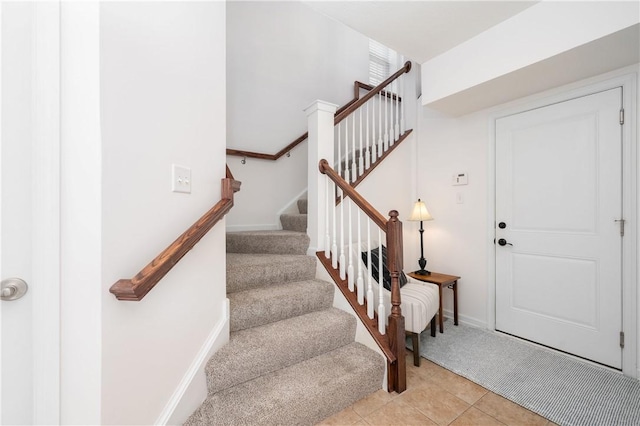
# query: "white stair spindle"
[402,106]
[354,167]
[386,121]
[362,152]
[339,151]
[382,324]
[360,281]
[380,138]
[343,266]
[327,238]
[397,125]
[370,301]
[334,246]
[350,274]
[367,159]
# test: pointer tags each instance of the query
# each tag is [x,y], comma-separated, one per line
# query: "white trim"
[289,207]
[218,337]
[627,79]
[1,248]
[462,319]
[46,214]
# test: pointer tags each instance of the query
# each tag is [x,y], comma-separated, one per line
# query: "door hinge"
[622,339]
[621,116]
[621,221]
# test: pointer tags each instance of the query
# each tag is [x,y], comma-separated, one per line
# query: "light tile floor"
[435,396]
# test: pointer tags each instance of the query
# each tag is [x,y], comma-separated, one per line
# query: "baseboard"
[265,227]
[466,320]
[192,389]
[291,206]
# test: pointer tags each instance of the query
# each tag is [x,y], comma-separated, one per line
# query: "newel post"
[320,117]
[397,373]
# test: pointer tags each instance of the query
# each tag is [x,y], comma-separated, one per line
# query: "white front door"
[558,239]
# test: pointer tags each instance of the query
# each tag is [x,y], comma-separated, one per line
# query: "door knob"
[504,242]
[12,289]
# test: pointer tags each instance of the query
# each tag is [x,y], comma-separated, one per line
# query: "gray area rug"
[562,389]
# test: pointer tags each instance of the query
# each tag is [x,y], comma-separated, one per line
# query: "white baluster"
[327,239]
[339,151]
[397,125]
[360,281]
[334,246]
[382,325]
[370,301]
[343,266]
[380,137]
[402,106]
[361,159]
[386,120]
[354,167]
[350,274]
[367,159]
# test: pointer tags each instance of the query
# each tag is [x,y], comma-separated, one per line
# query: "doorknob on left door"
[12,289]
[503,242]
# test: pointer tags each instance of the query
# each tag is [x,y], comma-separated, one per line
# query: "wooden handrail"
[348,190]
[344,114]
[136,288]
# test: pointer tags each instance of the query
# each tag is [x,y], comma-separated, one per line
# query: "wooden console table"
[442,280]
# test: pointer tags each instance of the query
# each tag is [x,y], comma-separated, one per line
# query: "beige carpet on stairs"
[291,358]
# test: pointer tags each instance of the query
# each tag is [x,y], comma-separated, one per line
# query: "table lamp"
[420,213]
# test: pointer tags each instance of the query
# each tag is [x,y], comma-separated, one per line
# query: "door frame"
[45,216]
[627,79]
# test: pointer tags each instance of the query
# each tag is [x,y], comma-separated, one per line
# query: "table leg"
[455,302]
[440,312]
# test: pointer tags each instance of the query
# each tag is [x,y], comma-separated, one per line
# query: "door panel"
[559,190]
[16,131]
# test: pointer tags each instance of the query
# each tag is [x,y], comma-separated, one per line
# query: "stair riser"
[246,276]
[254,352]
[294,222]
[268,244]
[264,305]
[302,206]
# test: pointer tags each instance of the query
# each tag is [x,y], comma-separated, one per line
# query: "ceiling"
[420,30]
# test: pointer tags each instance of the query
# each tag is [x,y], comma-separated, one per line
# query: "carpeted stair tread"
[302,206]
[264,305]
[268,242]
[302,394]
[260,350]
[245,271]
[294,222]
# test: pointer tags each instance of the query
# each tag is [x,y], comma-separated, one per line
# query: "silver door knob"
[12,289]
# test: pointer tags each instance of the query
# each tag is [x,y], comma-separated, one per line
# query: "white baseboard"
[192,389]
[466,320]
[291,206]
[265,227]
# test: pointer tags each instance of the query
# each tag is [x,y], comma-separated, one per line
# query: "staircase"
[291,357]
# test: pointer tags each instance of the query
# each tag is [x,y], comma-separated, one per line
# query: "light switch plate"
[180,179]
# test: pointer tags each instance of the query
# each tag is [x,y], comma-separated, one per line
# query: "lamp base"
[422,272]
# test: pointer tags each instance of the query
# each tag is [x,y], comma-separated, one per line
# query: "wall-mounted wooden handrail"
[344,114]
[341,112]
[348,191]
[136,288]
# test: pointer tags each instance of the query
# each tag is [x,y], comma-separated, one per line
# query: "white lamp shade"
[420,212]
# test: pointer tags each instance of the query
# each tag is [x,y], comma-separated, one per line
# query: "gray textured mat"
[562,389]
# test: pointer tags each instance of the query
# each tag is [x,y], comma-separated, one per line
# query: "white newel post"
[320,117]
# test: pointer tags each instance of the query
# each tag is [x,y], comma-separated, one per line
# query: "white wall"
[162,101]
[281,56]
[544,32]
[456,242]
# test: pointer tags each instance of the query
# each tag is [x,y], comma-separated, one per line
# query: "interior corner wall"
[281,56]
[162,88]
[456,241]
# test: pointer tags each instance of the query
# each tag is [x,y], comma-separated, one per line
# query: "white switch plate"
[459,198]
[180,179]
[460,179]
